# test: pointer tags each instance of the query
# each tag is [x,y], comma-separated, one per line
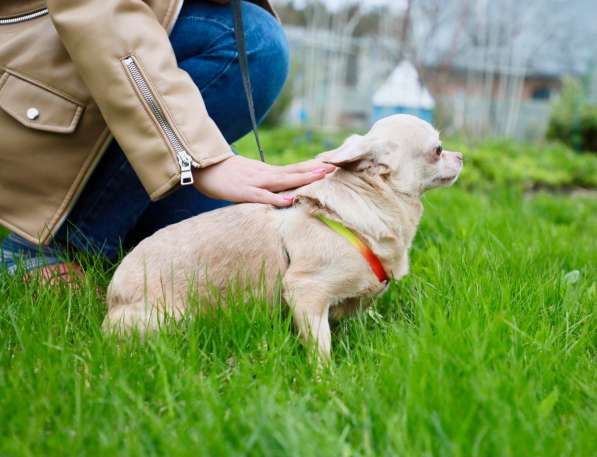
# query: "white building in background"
[403,92]
[342,82]
[334,78]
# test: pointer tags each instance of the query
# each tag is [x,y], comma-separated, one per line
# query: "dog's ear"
[360,153]
[350,151]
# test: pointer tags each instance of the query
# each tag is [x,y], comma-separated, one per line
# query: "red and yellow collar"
[354,239]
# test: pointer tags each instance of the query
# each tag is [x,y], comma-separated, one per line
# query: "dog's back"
[200,253]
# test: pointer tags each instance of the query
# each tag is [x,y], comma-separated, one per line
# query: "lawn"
[488,347]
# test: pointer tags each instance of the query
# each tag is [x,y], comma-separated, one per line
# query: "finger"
[309,165]
[286,181]
[258,195]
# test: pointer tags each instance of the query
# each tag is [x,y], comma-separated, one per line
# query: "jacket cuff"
[169,184]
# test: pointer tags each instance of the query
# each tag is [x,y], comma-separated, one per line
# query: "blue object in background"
[380,112]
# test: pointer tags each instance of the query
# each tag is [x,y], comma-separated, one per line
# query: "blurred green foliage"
[287,145]
[573,119]
[507,163]
[488,164]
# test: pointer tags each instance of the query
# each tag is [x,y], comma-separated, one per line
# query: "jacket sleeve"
[153,108]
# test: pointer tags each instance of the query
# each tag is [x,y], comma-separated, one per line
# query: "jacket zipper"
[185,161]
[24,17]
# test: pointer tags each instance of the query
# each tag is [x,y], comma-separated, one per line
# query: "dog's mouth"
[445,180]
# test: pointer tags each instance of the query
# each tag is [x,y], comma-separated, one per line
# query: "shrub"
[507,163]
[588,127]
[573,120]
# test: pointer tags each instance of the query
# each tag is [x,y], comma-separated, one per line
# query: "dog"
[333,249]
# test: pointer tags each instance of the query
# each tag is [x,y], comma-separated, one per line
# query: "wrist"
[197,170]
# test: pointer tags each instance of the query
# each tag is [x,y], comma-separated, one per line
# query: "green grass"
[488,348]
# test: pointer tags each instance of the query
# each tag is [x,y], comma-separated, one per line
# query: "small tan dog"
[333,248]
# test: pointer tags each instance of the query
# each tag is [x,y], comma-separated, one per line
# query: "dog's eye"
[438,151]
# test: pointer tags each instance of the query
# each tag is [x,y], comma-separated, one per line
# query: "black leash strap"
[239,32]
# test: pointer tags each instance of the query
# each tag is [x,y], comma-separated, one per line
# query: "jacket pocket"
[37,106]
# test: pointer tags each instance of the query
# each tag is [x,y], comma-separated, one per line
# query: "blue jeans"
[114,211]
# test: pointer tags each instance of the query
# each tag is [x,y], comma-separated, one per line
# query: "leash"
[239,33]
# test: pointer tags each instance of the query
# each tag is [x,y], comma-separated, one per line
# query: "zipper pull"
[186,166]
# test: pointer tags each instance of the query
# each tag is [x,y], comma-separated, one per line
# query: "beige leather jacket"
[74,74]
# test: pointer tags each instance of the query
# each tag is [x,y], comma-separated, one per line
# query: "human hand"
[239,179]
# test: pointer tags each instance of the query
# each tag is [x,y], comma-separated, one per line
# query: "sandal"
[61,273]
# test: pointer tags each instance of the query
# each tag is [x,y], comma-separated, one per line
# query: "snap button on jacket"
[65,92]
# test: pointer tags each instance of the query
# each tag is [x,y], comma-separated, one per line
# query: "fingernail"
[319,171]
[289,198]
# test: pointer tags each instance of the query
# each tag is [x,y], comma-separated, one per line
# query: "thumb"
[269,198]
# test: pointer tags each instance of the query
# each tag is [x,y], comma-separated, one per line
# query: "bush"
[588,127]
[507,163]
[573,120]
